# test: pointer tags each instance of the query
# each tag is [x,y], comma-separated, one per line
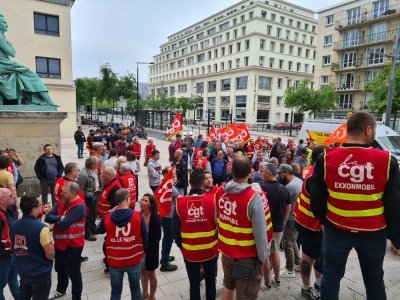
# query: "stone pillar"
[27,132]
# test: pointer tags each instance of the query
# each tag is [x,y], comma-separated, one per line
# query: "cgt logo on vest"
[195,210]
[228,210]
[355,173]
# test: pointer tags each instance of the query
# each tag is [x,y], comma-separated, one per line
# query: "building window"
[227,36]
[266,100]
[229,64]
[298,24]
[281,64]
[378,32]
[380,8]
[279,83]
[235,35]
[193,48]
[273,17]
[200,87]
[307,53]
[241,83]
[223,51]
[298,67]
[234,21]
[324,80]
[272,46]
[326,60]
[244,30]
[247,44]
[291,22]
[261,61]
[190,39]
[376,55]
[278,32]
[246,61]
[211,100]
[269,29]
[369,75]
[230,49]
[296,36]
[204,45]
[306,68]
[328,40]
[242,18]
[48,67]
[290,65]
[190,61]
[349,60]
[346,101]
[353,15]
[212,114]
[329,20]
[46,24]
[264,83]
[271,62]
[251,15]
[238,47]
[240,101]
[201,57]
[209,54]
[262,44]
[305,26]
[299,51]
[291,50]
[262,115]
[225,101]
[282,20]
[224,26]
[217,40]
[225,114]
[225,84]
[287,34]
[240,114]
[278,101]
[211,31]
[172,90]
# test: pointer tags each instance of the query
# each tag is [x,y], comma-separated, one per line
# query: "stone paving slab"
[175,285]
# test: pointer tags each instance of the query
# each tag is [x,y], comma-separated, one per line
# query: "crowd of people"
[241,203]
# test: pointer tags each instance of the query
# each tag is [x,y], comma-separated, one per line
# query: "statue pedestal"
[27,132]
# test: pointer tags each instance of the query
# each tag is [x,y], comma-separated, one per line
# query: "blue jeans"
[9,274]
[68,265]
[80,150]
[371,249]
[166,224]
[117,277]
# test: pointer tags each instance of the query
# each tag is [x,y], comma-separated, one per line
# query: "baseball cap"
[285,168]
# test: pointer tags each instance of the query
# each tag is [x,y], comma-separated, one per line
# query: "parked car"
[203,123]
[281,126]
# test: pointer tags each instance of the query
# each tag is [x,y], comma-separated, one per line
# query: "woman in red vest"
[148,206]
[136,147]
[148,150]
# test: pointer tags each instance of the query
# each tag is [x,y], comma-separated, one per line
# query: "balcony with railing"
[346,86]
[368,16]
[359,64]
[365,40]
[225,103]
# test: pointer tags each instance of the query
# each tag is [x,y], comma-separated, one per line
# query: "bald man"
[8,269]
[181,173]
[68,217]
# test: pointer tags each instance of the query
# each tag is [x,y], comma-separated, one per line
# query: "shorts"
[276,241]
[245,289]
[311,241]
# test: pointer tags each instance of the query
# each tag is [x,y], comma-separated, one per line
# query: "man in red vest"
[209,187]
[129,182]
[126,240]
[68,217]
[195,233]
[71,172]
[355,194]
[242,237]
[310,236]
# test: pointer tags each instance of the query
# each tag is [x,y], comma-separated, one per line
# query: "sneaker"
[276,282]
[84,258]
[310,293]
[56,295]
[296,268]
[266,287]
[171,258]
[168,268]
[288,274]
[317,287]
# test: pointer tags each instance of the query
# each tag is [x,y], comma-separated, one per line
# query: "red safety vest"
[198,227]
[258,144]
[124,246]
[249,151]
[302,210]
[104,205]
[268,220]
[197,153]
[10,168]
[60,182]
[214,190]
[356,178]
[73,236]
[149,150]
[5,234]
[235,231]
[129,182]
[137,149]
[201,163]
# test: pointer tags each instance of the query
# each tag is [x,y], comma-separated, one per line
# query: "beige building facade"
[353,39]
[240,60]
[40,31]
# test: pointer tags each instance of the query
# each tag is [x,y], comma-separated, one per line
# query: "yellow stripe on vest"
[235,242]
[199,247]
[306,212]
[355,197]
[268,216]
[234,229]
[304,198]
[269,226]
[356,213]
[194,235]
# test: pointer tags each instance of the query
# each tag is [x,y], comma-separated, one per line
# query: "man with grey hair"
[129,182]
[279,204]
[68,217]
[274,160]
[290,232]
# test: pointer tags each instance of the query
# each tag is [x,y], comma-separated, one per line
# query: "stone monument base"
[27,132]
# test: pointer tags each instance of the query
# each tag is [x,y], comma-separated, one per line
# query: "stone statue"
[18,84]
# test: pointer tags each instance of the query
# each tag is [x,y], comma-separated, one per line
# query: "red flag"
[338,136]
[176,127]
[164,194]
[243,134]
[212,134]
[229,132]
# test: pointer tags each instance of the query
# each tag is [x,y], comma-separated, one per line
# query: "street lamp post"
[291,123]
[137,88]
[391,79]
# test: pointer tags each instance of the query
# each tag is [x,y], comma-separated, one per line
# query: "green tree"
[86,90]
[379,88]
[304,98]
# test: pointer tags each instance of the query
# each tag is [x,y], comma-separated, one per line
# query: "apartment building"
[240,60]
[40,31]
[353,38]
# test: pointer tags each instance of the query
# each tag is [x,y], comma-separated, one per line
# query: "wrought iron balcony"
[364,40]
[346,86]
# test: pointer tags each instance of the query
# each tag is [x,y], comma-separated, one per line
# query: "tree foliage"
[304,98]
[86,90]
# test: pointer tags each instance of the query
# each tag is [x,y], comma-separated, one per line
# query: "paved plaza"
[175,285]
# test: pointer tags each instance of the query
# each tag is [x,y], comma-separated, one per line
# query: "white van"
[318,130]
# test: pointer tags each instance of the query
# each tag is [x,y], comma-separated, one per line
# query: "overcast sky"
[122,32]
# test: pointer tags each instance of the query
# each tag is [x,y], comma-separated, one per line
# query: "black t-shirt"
[278,198]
